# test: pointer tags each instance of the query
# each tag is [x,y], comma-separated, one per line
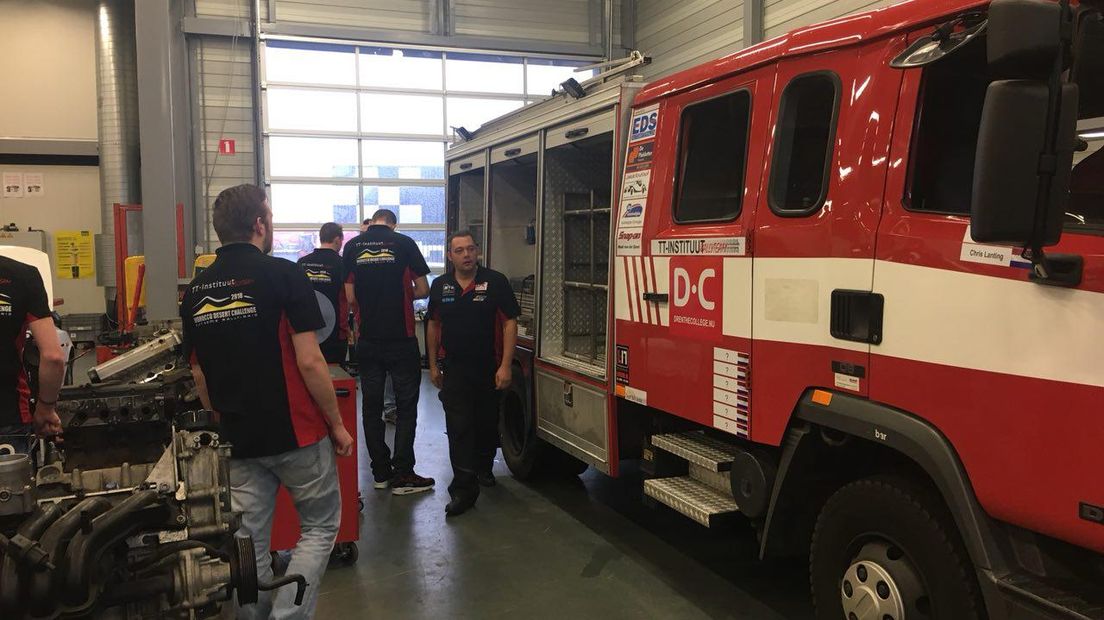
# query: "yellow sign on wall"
[74,254]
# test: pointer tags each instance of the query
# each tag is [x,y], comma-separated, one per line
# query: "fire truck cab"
[847,283]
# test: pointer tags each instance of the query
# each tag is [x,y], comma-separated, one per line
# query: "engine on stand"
[130,516]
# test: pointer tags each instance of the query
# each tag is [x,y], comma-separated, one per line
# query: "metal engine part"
[15,484]
[142,363]
[151,539]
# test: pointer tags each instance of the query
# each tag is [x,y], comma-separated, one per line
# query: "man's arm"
[316,374]
[51,372]
[201,385]
[433,336]
[421,288]
[505,372]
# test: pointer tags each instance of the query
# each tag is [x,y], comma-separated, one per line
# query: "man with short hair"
[24,306]
[471,338]
[324,270]
[388,387]
[249,323]
[385,273]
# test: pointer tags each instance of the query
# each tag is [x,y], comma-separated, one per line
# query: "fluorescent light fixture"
[1093,135]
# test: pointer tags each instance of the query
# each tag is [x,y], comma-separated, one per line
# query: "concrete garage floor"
[584,548]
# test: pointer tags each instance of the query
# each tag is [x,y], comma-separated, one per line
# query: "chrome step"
[691,498]
[719,481]
[697,448]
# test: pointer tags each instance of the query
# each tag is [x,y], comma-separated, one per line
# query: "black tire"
[517,432]
[888,526]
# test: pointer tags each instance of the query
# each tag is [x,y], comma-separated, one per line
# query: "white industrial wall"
[679,35]
[50,92]
[222,90]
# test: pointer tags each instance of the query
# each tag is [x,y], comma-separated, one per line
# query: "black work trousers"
[401,359]
[471,405]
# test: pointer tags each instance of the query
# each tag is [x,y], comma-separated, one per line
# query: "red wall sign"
[226,147]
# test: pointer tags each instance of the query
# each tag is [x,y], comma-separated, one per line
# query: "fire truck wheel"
[885,548]
[517,434]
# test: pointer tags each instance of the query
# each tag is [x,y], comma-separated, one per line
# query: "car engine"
[129,516]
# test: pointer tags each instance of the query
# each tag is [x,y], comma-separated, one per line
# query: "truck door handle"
[343,392]
[659,298]
[577,133]
[512,152]
[857,316]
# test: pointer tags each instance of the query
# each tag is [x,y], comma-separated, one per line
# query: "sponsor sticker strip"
[731,392]
[700,246]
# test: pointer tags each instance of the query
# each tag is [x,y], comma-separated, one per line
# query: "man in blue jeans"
[249,323]
[385,272]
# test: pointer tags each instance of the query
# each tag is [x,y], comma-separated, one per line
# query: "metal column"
[163,135]
[753,22]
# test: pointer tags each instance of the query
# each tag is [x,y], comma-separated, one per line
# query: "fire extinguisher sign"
[697,296]
[226,147]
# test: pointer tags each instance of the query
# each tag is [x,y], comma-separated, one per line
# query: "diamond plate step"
[690,497]
[697,448]
[717,480]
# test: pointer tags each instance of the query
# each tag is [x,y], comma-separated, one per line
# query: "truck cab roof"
[838,33]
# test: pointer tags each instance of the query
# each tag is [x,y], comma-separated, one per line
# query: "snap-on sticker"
[847,382]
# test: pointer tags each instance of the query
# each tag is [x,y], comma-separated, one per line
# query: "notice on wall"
[34,184]
[74,255]
[13,184]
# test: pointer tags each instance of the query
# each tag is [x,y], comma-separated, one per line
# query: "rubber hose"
[12,580]
[46,585]
[86,549]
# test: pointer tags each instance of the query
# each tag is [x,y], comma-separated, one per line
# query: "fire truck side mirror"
[1023,38]
[1088,62]
[1009,164]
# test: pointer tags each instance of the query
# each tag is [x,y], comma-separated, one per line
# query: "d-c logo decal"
[697,294]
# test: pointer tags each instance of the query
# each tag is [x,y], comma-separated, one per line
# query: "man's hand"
[342,440]
[503,377]
[46,421]
[436,377]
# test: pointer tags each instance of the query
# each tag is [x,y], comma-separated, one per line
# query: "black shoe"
[410,483]
[459,506]
[486,479]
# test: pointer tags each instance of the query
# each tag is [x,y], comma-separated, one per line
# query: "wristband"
[48,403]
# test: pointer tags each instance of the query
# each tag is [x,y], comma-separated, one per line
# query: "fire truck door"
[694,285]
[814,317]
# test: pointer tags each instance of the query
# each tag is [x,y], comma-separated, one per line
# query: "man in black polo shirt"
[324,270]
[249,323]
[23,306]
[473,329]
[385,272]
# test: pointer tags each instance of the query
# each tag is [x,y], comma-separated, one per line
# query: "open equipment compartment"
[467,190]
[578,185]
[512,237]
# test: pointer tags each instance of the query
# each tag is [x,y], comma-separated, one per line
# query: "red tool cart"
[285,524]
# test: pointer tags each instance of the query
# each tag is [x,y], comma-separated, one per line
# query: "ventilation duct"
[117,86]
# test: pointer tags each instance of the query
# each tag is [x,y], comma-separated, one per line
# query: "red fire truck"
[848,283]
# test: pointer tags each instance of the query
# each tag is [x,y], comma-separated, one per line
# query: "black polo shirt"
[22,301]
[472,319]
[324,270]
[382,266]
[239,316]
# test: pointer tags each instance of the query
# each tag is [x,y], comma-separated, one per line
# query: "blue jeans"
[310,475]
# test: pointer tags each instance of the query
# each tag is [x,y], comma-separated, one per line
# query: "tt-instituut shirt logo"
[318,273]
[233,307]
[370,256]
